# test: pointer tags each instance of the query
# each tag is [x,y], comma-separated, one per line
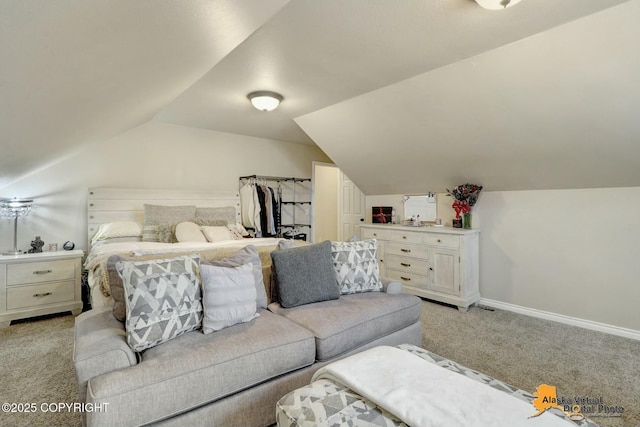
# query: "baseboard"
[561,318]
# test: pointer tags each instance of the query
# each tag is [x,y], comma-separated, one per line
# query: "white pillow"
[217,233]
[189,232]
[229,296]
[113,229]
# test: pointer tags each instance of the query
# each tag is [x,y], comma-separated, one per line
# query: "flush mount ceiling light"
[265,100]
[497,4]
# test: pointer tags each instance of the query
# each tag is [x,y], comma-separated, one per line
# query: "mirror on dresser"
[420,205]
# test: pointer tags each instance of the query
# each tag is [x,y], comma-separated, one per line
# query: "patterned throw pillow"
[163,299]
[356,266]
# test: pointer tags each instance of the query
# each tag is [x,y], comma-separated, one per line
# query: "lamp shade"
[13,208]
[497,4]
[265,100]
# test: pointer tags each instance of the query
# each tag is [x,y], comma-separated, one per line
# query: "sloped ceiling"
[405,96]
[556,110]
[75,72]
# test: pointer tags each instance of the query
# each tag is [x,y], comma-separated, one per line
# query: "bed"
[122,221]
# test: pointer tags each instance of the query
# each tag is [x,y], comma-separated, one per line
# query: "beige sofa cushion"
[195,369]
[353,320]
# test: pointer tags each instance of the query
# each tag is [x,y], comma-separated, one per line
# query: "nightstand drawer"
[38,272]
[30,296]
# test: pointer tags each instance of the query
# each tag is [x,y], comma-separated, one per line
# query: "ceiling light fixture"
[497,4]
[265,100]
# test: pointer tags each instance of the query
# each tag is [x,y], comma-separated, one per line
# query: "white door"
[351,204]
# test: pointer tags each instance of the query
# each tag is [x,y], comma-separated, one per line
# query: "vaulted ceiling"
[405,96]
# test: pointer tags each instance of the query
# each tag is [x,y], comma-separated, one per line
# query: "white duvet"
[100,253]
[423,394]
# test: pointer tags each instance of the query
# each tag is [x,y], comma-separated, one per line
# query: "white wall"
[570,252]
[325,183]
[154,155]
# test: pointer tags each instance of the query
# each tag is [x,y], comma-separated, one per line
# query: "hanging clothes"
[263,213]
[274,212]
[247,205]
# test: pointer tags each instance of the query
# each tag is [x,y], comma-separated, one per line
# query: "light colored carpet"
[36,367]
[525,352]
[35,360]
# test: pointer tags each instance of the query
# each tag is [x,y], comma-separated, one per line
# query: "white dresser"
[38,284]
[437,263]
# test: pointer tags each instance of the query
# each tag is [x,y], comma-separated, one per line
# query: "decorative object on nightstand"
[40,283]
[15,208]
[68,245]
[465,196]
[36,245]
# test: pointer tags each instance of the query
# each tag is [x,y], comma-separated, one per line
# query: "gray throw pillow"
[155,215]
[246,255]
[116,288]
[305,274]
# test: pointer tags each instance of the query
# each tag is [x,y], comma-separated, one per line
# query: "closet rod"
[274,178]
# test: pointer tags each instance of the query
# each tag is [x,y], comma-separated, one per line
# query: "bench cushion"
[195,369]
[353,320]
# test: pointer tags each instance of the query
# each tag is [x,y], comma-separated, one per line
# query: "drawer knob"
[439,240]
[375,234]
[46,294]
[42,271]
[404,237]
[431,268]
[406,250]
[405,278]
[404,264]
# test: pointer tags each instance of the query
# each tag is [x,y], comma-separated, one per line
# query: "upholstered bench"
[327,401]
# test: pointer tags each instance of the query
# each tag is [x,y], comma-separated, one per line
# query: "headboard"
[106,204]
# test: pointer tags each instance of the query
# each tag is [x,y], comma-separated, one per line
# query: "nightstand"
[37,284]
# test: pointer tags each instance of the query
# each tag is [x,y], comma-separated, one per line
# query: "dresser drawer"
[371,233]
[443,240]
[406,236]
[38,272]
[35,295]
[411,279]
[407,250]
[409,265]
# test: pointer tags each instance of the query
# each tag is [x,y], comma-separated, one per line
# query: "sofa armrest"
[391,286]
[100,346]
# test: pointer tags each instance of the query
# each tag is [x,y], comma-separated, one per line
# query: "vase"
[456,222]
[466,220]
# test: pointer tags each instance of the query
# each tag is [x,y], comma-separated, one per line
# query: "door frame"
[314,205]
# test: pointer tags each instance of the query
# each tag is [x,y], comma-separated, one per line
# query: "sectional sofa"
[235,376]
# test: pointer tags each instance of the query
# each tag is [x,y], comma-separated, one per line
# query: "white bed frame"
[106,204]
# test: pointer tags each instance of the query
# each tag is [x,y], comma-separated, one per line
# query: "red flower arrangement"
[465,196]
